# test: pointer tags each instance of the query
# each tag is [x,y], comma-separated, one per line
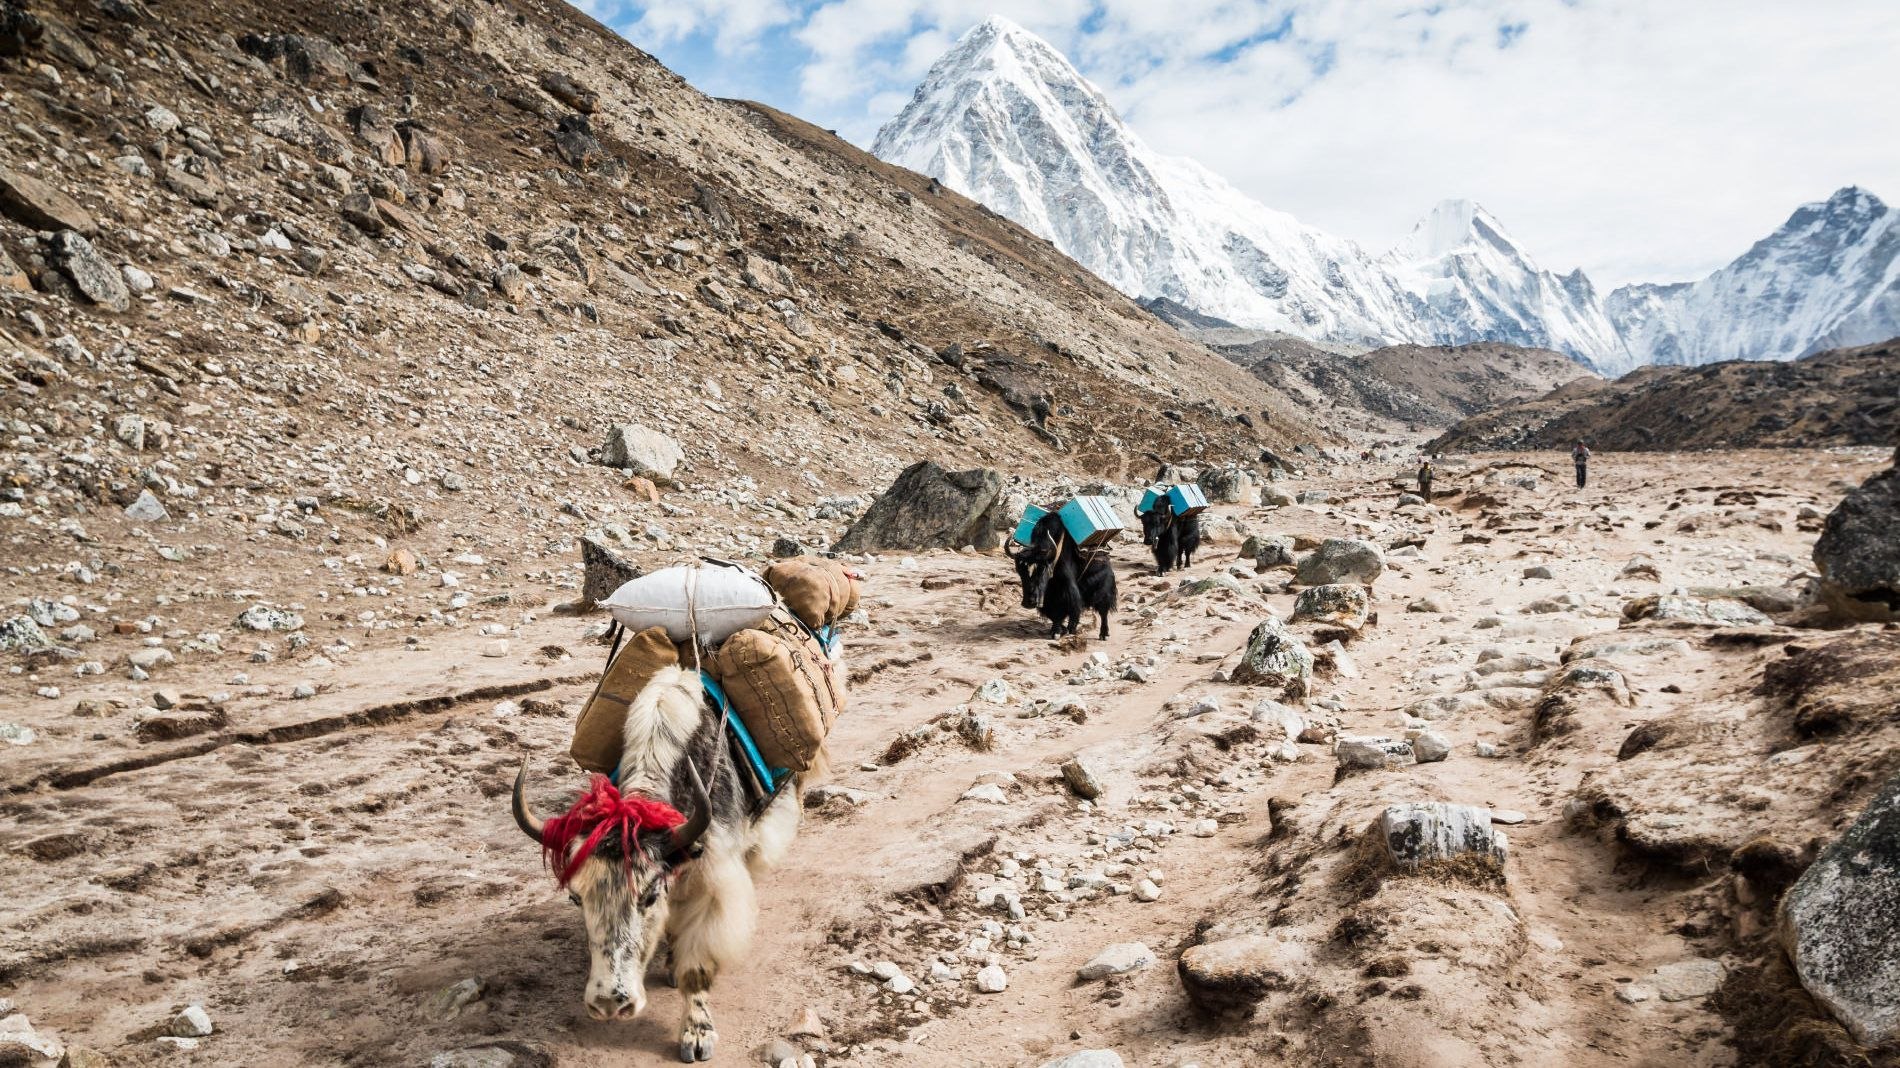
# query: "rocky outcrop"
[1341,604]
[1840,923]
[603,572]
[931,508]
[1858,552]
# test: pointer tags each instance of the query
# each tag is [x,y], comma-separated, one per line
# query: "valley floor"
[317,873]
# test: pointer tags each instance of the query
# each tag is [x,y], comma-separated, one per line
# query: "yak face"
[1150,525]
[625,908]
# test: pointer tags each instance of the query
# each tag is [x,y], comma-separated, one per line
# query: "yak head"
[617,856]
[1037,562]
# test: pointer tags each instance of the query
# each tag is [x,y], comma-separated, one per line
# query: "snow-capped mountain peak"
[1006,119]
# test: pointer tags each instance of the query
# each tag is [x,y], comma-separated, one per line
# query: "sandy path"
[317,892]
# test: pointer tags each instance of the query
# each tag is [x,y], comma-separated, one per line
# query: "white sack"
[719,600]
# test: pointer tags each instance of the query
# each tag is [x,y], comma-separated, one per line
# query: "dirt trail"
[317,893]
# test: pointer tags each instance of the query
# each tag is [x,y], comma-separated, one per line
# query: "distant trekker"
[1581,457]
[1425,477]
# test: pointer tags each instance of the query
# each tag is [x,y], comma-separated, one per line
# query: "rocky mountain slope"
[1840,397]
[325,272]
[1405,387]
[1007,119]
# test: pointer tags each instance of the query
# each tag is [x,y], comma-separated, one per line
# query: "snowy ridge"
[1828,278]
[1005,119]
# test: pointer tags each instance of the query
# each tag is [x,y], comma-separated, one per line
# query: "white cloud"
[734,25]
[1641,139]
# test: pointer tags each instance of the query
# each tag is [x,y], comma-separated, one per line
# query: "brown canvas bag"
[784,688]
[598,731]
[818,590]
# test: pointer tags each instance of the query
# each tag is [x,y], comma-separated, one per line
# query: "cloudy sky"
[1644,140]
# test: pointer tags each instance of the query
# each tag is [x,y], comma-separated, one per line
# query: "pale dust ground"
[314,892]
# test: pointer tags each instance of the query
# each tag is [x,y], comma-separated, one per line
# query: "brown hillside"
[1840,397]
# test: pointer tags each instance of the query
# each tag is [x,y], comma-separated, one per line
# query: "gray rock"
[38,206]
[1081,779]
[449,1002]
[1274,657]
[147,509]
[151,658]
[1858,552]
[1362,752]
[992,980]
[1840,923]
[193,1022]
[21,1044]
[1118,959]
[1540,571]
[1087,1058]
[1341,604]
[21,634]
[1228,977]
[1341,560]
[265,618]
[603,572]
[1685,980]
[1429,747]
[1226,485]
[928,507]
[1718,612]
[1272,551]
[642,450]
[1421,833]
[95,278]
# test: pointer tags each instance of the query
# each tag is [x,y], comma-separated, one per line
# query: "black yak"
[1060,578]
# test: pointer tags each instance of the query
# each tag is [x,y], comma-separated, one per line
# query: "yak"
[1060,578]
[1174,539]
[642,870]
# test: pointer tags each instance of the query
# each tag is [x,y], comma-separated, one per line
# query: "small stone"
[1146,890]
[1204,828]
[988,792]
[193,1022]
[1117,959]
[260,617]
[1634,993]
[147,509]
[1082,779]
[1429,747]
[303,691]
[992,980]
[1685,980]
[449,1002]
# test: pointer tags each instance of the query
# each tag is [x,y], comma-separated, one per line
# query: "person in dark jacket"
[1581,457]
[1425,474]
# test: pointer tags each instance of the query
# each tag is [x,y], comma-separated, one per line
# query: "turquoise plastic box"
[1187,500]
[1025,529]
[1148,500]
[1091,521]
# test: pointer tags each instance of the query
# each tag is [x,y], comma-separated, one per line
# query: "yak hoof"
[697,1045]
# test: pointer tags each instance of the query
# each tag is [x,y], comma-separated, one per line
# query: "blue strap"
[771,777]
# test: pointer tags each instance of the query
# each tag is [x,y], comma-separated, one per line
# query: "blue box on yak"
[1148,500]
[1091,521]
[1027,528]
[1187,500]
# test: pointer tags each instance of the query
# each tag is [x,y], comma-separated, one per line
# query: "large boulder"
[1858,552]
[1433,833]
[1711,612]
[1340,603]
[1341,560]
[642,450]
[1228,485]
[1840,923]
[930,508]
[1274,657]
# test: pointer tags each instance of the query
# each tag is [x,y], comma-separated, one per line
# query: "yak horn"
[1008,549]
[687,836]
[530,824]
